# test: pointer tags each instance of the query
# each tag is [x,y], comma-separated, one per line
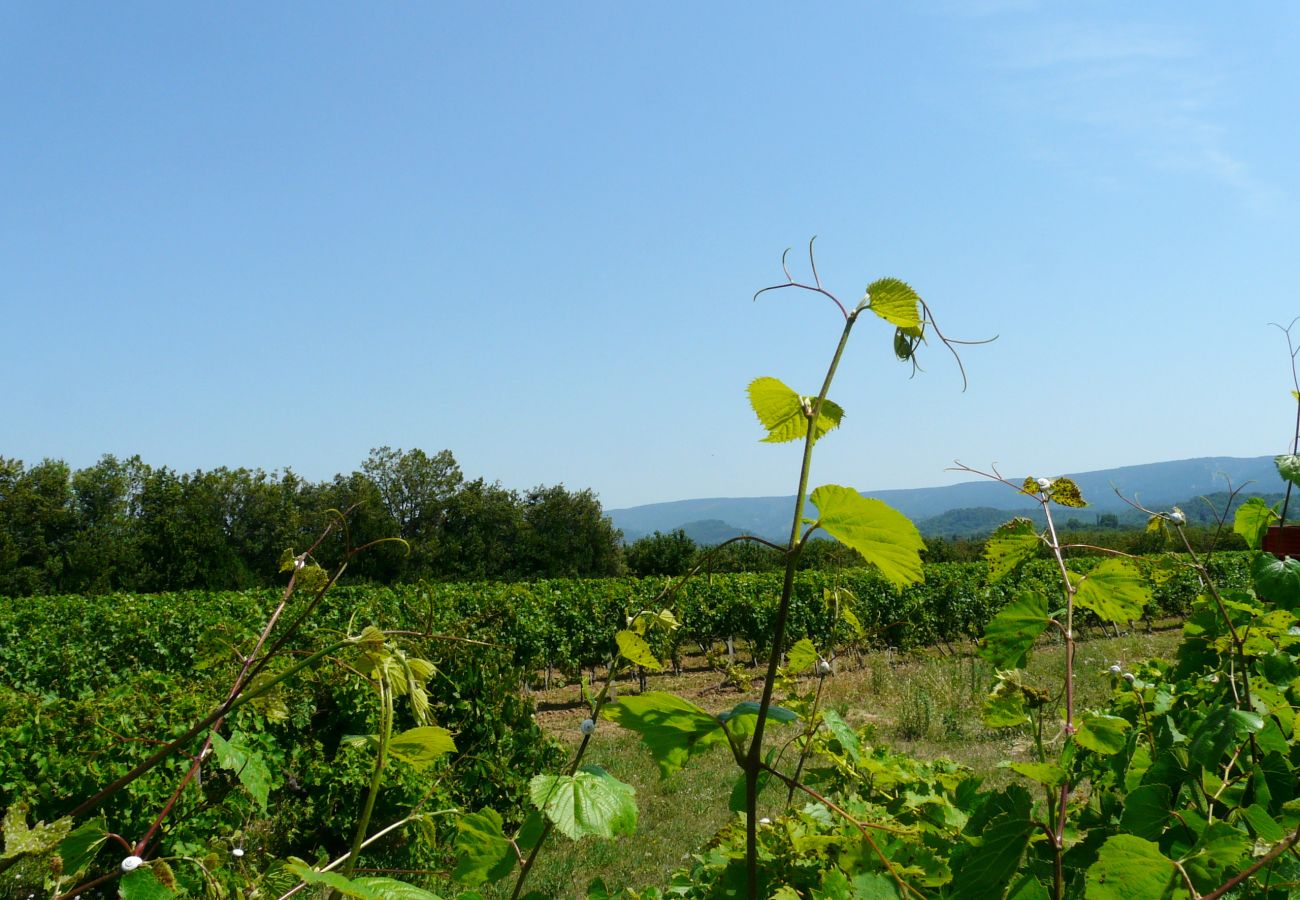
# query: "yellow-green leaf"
[633,648]
[885,537]
[421,746]
[897,303]
[1115,590]
[802,656]
[785,414]
[1009,546]
[1066,492]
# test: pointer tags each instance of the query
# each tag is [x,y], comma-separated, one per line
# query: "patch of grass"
[926,704]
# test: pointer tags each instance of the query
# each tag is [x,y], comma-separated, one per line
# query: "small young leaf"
[1066,492]
[483,852]
[1130,868]
[421,746]
[1009,546]
[247,764]
[672,729]
[802,657]
[588,802]
[142,884]
[1277,579]
[1101,733]
[885,537]
[634,649]
[896,302]
[1288,466]
[1049,774]
[841,731]
[1014,629]
[1252,520]
[1146,811]
[781,411]
[23,841]
[1115,590]
[81,847]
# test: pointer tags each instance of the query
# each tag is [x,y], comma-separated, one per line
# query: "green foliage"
[1012,632]
[590,802]
[1009,546]
[885,537]
[672,729]
[785,414]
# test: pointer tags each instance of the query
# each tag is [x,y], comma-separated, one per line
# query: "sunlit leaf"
[1065,492]
[1288,466]
[633,648]
[841,731]
[1115,590]
[1012,632]
[1101,733]
[1009,546]
[247,764]
[421,746]
[802,657]
[1277,579]
[783,412]
[885,537]
[1130,868]
[672,729]
[23,841]
[897,303]
[1251,521]
[143,884]
[483,852]
[588,802]
[1049,774]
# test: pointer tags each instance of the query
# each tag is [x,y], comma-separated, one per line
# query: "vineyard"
[382,744]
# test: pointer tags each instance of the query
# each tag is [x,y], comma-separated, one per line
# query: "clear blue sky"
[279,235]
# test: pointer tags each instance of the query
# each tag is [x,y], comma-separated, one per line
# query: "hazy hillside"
[978,502]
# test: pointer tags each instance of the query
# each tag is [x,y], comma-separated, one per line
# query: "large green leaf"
[1014,629]
[247,764]
[633,648]
[1288,466]
[422,746]
[1045,773]
[802,657]
[672,729]
[1009,546]
[81,847]
[1252,520]
[742,717]
[885,537]
[1146,811]
[143,884]
[23,841]
[782,411]
[986,868]
[841,731]
[483,852]
[1101,733]
[373,888]
[897,303]
[1115,590]
[1130,868]
[1277,579]
[588,802]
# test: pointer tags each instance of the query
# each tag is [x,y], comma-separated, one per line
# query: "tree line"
[124,525]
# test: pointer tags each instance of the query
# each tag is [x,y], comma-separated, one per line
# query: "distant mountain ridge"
[1154,484]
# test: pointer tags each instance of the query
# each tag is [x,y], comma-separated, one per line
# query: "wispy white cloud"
[1137,92]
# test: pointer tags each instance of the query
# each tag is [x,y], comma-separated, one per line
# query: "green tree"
[482,533]
[567,535]
[661,554]
[38,518]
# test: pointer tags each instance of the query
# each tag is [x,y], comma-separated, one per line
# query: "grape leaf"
[1009,546]
[634,649]
[588,802]
[885,537]
[897,303]
[781,411]
[1008,637]
[1115,590]
[1130,868]
[483,852]
[672,729]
